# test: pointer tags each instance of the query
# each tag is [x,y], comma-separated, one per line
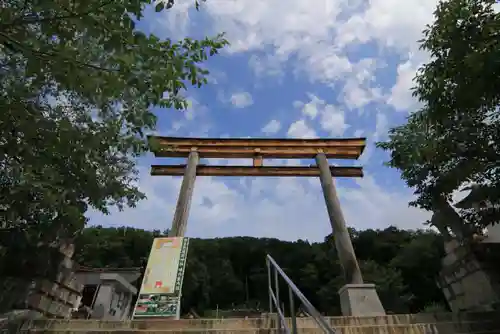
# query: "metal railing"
[274,299]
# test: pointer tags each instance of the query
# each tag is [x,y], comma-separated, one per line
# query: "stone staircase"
[443,323]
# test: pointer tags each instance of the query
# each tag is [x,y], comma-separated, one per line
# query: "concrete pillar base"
[360,300]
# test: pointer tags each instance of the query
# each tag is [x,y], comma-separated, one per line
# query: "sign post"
[160,293]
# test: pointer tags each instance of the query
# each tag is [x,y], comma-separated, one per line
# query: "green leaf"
[159,6]
[76,97]
[458,89]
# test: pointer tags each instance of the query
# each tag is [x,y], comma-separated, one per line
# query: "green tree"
[231,271]
[455,137]
[78,82]
[419,262]
[121,247]
[379,245]
[390,286]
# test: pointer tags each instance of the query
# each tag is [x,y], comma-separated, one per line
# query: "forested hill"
[231,272]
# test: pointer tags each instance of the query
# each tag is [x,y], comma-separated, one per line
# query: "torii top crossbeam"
[256,149]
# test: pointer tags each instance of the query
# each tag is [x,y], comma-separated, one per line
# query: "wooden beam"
[267,153]
[350,148]
[258,142]
[204,170]
[258,161]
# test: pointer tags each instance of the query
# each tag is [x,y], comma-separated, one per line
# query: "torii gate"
[357,298]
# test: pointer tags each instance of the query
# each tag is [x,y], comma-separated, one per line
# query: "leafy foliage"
[78,81]
[454,138]
[230,272]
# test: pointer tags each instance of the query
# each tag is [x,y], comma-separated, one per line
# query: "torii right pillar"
[356,297]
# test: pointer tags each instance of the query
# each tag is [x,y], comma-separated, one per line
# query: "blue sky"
[295,69]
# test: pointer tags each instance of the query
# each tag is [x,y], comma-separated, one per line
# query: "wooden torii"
[259,149]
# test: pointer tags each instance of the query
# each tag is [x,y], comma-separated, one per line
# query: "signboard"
[161,286]
[157,305]
[165,268]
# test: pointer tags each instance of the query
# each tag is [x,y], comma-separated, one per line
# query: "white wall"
[493,233]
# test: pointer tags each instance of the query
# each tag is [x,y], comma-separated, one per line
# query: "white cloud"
[379,134]
[310,109]
[314,41]
[388,23]
[285,208]
[379,207]
[333,121]
[381,126]
[182,124]
[331,117]
[266,65]
[359,132]
[317,35]
[271,127]
[241,99]
[216,77]
[401,93]
[300,129]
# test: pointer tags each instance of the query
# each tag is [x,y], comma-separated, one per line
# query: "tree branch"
[30,19]
[12,43]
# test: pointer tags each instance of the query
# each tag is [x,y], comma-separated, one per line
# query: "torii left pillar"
[179,223]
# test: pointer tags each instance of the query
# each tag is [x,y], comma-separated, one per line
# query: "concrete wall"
[114,295]
[89,277]
[111,303]
[445,323]
[468,279]
[52,296]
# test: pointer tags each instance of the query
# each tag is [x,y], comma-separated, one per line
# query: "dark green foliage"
[77,83]
[231,272]
[455,137]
